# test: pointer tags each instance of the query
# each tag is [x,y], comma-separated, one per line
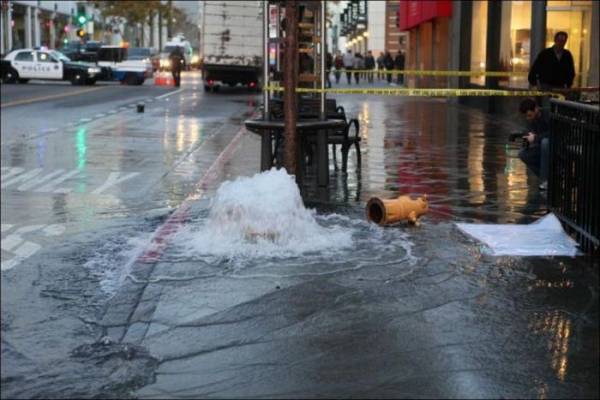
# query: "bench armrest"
[354,122]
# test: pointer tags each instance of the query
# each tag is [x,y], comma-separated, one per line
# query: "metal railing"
[574,176]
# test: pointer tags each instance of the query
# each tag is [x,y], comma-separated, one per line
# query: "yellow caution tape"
[444,92]
[436,73]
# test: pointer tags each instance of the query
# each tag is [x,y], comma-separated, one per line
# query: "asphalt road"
[38,106]
[83,173]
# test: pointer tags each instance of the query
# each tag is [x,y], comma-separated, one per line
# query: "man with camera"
[536,150]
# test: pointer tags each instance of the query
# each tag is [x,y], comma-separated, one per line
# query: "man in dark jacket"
[370,65]
[176,58]
[328,68]
[380,67]
[399,65]
[553,67]
[536,155]
[388,63]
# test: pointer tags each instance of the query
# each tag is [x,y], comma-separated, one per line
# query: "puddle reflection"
[557,327]
[458,157]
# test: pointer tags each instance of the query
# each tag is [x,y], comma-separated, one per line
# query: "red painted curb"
[160,237]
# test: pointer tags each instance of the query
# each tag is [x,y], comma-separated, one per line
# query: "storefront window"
[575,18]
[515,42]
[478,40]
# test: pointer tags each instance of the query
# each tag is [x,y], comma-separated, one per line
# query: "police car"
[25,64]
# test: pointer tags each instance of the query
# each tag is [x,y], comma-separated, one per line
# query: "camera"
[519,135]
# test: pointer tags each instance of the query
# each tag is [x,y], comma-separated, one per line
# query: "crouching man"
[537,154]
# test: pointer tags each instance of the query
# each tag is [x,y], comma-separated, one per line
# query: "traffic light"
[80,32]
[81,19]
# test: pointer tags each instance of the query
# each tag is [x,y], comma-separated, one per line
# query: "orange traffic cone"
[163,79]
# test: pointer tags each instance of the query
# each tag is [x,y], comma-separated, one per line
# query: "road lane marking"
[113,179]
[24,249]
[5,227]
[12,171]
[38,181]
[10,242]
[54,96]
[21,178]
[168,94]
[23,252]
[51,186]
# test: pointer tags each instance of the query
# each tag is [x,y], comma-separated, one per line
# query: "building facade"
[496,36]
[32,23]
[370,25]
[36,23]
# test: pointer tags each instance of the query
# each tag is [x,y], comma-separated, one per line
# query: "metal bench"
[308,108]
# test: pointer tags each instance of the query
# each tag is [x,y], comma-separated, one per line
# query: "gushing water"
[260,216]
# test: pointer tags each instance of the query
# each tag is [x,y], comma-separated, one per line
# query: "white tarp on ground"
[544,237]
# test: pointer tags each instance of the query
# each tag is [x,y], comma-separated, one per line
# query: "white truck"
[231,44]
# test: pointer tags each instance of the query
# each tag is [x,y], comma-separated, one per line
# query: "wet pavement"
[105,291]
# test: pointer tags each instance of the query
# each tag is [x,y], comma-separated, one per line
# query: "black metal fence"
[574,176]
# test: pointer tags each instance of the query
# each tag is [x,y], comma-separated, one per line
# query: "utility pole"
[170,20]
[290,81]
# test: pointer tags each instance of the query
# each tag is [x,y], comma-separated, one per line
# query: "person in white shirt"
[359,64]
[348,65]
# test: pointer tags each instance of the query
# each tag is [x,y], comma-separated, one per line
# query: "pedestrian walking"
[348,65]
[370,66]
[359,65]
[339,65]
[553,67]
[399,65]
[176,58]
[328,67]
[388,63]
[380,73]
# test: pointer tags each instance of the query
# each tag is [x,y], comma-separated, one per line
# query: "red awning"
[415,12]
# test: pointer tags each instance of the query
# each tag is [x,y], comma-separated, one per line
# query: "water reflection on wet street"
[132,290]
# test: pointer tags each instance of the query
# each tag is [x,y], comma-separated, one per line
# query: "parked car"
[92,46]
[196,64]
[144,54]
[164,61]
[124,70]
[25,64]
[79,51]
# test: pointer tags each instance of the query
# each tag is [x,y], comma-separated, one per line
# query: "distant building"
[191,29]
[36,23]
[370,25]
[30,23]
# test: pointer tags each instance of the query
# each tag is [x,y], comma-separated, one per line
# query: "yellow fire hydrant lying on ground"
[386,212]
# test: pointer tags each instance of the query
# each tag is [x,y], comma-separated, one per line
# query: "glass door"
[575,18]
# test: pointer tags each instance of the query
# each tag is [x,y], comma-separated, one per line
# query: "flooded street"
[129,270]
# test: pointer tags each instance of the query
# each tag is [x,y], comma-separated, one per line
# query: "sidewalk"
[407,312]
